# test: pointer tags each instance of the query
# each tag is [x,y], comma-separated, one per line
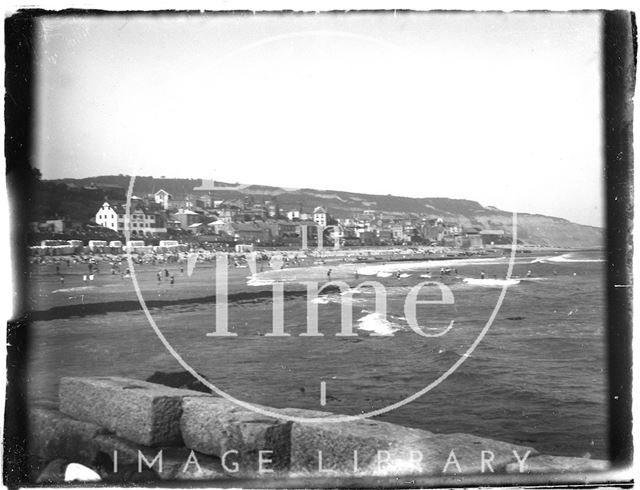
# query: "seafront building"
[163,198]
[264,223]
[199,218]
[320,216]
[142,221]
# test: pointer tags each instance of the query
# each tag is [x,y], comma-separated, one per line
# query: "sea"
[528,340]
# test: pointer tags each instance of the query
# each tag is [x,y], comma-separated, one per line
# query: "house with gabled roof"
[162,197]
[141,220]
[320,216]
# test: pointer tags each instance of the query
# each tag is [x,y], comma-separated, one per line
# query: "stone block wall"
[134,431]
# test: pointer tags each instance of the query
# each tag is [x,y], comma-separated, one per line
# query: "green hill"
[532,228]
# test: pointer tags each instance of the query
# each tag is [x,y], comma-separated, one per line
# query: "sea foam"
[491,282]
[568,258]
[71,290]
[377,324]
[254,281]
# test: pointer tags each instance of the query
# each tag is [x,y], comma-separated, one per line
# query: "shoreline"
[50,299]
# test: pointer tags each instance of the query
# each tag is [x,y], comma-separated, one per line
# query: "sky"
[504,109]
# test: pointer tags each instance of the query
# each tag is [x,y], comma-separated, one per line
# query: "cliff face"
[540,230]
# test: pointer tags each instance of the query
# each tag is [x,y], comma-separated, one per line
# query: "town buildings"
[320,216]
[162,197]
[252,220]
[142,221]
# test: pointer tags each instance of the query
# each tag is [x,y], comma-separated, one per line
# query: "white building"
[162,197]
[107,217]
[320,216]
[291,215]
[141,223]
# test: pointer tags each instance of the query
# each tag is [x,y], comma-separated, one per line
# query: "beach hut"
[76,245]
[97,246]
[168,243]
[115,247]
[135,246]
[244,248]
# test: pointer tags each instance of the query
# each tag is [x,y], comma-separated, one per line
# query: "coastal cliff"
[535,229]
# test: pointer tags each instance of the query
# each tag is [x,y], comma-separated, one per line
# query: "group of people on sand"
[167,276]
[495,276]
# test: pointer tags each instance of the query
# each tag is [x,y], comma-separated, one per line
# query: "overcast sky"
[504,109]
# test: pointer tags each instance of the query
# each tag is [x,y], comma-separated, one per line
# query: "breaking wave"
[491,282]
[392,267]
[377,324]
[337,298]
[569,258]
[254,281]
[75,289]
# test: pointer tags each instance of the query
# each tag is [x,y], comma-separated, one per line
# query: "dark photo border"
[619,54]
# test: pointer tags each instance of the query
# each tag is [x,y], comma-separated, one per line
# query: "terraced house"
[142,221]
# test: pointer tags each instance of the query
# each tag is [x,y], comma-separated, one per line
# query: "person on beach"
[172,280]
[329,274]
[481,274]
[61,279]
[528,273]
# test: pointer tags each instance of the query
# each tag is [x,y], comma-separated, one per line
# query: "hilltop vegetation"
[56,198]
[143,184]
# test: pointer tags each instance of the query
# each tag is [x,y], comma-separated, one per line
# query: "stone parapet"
[142,412]
[134,431]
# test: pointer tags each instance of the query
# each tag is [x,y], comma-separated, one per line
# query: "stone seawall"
[132,430]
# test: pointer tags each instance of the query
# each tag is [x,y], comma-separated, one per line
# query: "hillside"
[143,184]
[532,228]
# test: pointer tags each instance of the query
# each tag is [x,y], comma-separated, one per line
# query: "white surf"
[377,324]
[491,282]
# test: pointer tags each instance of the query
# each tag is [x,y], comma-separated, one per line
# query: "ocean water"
[538,376]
